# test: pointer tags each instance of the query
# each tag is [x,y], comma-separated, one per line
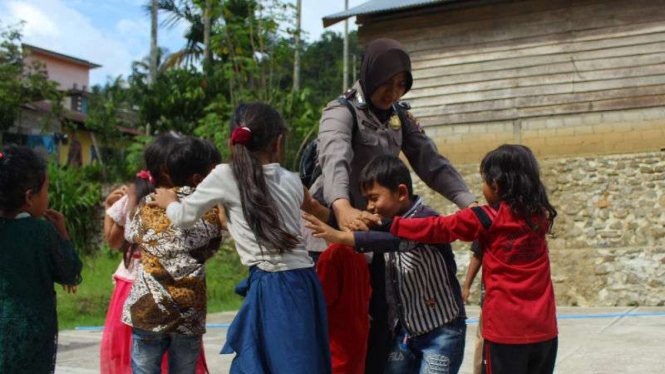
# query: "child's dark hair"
[191,156]
[155,155]
[21,170]
[515,171]
[258,205]
[212,152]
[388,171]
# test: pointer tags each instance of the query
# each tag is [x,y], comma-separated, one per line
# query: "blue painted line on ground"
[468,321]
[611,315]
[101,328]
[591,316]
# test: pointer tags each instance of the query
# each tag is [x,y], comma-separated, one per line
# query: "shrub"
[79,199]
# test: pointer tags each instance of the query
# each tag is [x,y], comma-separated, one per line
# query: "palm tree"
[153,41]
[207,25]
[178,11]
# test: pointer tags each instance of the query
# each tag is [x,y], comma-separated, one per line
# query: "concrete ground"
[591,341]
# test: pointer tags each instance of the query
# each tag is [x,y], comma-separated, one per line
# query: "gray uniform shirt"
[342,155]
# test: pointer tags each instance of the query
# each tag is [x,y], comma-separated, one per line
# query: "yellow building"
[64,138]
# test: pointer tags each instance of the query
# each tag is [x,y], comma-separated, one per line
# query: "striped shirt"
[422,288]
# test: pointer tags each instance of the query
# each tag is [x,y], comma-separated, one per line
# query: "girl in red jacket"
[519,314]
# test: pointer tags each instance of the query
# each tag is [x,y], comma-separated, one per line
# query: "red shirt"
[344,275]
[519,300]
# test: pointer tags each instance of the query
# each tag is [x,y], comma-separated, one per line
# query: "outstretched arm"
[327,233]
[363,241]
[210,192]
[463,225]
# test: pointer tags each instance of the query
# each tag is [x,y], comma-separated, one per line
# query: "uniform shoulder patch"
[416,122]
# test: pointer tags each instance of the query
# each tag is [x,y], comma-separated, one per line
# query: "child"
[167,304]
[115,349]
[519,312]
[422,289]
[33,255]
[281,326]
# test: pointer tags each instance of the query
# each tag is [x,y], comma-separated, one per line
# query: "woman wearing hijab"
[385,77]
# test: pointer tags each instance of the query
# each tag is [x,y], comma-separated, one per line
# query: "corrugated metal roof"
[377,6]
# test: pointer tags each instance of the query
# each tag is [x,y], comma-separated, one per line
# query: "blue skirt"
[281,327]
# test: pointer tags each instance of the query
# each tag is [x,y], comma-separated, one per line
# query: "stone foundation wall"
[608,243]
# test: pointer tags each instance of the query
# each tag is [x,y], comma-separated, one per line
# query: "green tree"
[22,83]
[322,65]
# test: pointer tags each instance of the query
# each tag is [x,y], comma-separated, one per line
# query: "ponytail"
[262,126]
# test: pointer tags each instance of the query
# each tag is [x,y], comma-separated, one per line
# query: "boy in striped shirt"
[424,295]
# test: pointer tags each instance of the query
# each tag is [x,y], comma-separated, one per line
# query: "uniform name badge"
[395,123]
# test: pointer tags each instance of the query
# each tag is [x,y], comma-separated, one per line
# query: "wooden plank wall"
[561,76]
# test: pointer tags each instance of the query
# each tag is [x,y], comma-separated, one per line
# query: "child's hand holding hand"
[163,197]
[366,220]
[58,220]
[327,233]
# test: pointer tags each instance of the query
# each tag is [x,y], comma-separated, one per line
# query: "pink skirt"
[116,347]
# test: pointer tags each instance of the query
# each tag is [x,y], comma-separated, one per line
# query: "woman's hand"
[58,221]
[163,198]
[350,218]
[114,196]
[364,222]
[327,233]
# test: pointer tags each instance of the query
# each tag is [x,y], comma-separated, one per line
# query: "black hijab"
[383,58]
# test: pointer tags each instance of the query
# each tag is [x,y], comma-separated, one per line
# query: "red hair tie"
[2,155]
[145,174]
[241,135]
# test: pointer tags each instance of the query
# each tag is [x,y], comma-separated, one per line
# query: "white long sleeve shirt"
[220,187]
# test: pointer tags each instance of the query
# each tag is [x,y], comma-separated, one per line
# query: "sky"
[113,33]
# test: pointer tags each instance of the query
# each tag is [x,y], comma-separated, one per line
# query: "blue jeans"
[148,350]
[440,351]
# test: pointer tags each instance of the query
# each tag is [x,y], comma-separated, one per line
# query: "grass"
[89,305]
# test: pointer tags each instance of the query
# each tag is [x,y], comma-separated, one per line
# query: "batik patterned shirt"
[169,295]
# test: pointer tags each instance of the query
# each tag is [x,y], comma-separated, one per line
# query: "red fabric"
[519,303]
[116,346]
[344,275]
[116,343]
[241,135]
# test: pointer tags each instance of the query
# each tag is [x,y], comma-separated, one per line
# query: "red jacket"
[519,300]
[344,276]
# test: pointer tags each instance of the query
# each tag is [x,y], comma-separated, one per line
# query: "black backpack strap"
[344,101]
[483,217]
